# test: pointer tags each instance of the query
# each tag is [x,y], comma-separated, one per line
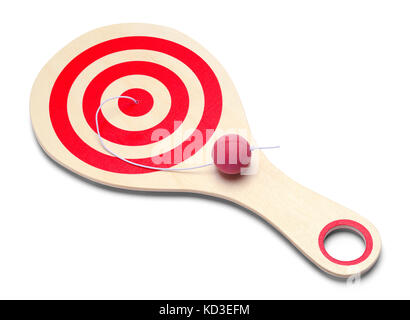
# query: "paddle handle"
[304,217]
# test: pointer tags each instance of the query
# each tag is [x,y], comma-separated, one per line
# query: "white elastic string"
[260,148]
[142,165]
[130,162]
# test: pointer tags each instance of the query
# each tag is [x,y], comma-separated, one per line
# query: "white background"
[327,80]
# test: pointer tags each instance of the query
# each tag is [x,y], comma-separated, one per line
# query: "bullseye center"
[145,102]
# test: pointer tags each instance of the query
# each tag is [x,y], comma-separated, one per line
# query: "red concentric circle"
[60,91]
[94,91]
[145,102]
[350,224]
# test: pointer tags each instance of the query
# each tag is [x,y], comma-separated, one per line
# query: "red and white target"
[176,90]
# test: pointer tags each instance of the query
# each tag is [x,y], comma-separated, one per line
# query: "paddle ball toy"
[144,107]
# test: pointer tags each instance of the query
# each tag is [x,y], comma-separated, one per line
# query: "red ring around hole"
[347,224]
[128,107]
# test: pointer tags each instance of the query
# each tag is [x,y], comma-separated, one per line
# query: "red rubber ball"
[231,153]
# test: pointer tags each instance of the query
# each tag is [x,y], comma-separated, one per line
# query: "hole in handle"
[351,226]
[345,244]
